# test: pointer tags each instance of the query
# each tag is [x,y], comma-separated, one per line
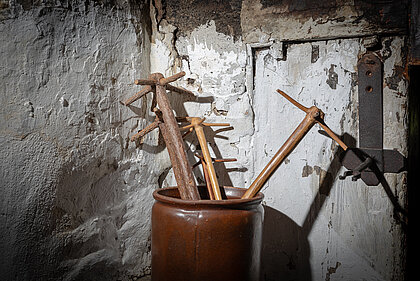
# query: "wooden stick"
[298,105]
[163,81]
[213,159]
[207,179]
[169,129]
[187,127]
[313,115]
[281,154]
[173,139]
[198,124]
[216,124]
[332,135]
[207,158]
[187,133]
[145,82]
[192,125]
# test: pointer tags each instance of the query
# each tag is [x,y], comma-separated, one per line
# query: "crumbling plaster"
[72,205]
[319,228]
[77,193]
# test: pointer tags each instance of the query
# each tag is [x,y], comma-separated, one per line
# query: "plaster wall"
[72,206]
[317,227]
[76,194]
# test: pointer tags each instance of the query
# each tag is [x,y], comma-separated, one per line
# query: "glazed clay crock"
[206,239]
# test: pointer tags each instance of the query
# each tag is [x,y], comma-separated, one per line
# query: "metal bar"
[370,102]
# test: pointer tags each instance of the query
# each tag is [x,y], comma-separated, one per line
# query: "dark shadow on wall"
[285,247]
[285,250]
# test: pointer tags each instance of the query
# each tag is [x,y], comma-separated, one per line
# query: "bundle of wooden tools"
[171,132]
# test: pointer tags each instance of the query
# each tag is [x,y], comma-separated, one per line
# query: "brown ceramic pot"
[206,239]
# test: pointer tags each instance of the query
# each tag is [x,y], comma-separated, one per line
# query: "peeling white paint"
[216,66]
[353,225]
[78,191]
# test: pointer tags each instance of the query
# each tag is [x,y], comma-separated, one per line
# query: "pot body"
[206,239]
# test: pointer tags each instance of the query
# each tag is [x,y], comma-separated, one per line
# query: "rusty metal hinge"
[370,158]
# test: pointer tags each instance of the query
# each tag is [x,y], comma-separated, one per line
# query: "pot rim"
[158,196]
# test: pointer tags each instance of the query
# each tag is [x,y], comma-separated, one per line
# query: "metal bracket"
[365,162]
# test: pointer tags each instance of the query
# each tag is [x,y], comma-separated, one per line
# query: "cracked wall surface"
[77,194]
[316,227]
[71,205]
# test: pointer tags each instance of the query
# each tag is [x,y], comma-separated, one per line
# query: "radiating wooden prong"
[332,135]
[145,82]
[195,123]
[225,160]
[214,159]
[216,124]
[146,130]
[181,119]
[138,95]
[199,121]
[178,90]
[164,81]
[187,133]
[187,127]
[298,105]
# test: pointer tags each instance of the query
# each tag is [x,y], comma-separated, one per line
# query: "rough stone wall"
[76,194]
[72,206]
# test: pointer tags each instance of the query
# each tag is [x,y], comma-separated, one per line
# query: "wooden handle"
[174,143]
[313,115]
[281,154]
[207,179]
[207,158]
[145,82]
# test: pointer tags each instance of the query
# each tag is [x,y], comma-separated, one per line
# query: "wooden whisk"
[165,120]
[313,115]
[198,124]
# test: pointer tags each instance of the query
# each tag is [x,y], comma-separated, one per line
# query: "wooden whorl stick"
[313,115]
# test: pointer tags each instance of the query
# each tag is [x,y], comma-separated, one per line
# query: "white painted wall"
[348,226]
[314,230]
[76,194]
[72,206]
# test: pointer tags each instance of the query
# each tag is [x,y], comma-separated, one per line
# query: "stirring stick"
[168,126]
[198,124]
[313,115]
